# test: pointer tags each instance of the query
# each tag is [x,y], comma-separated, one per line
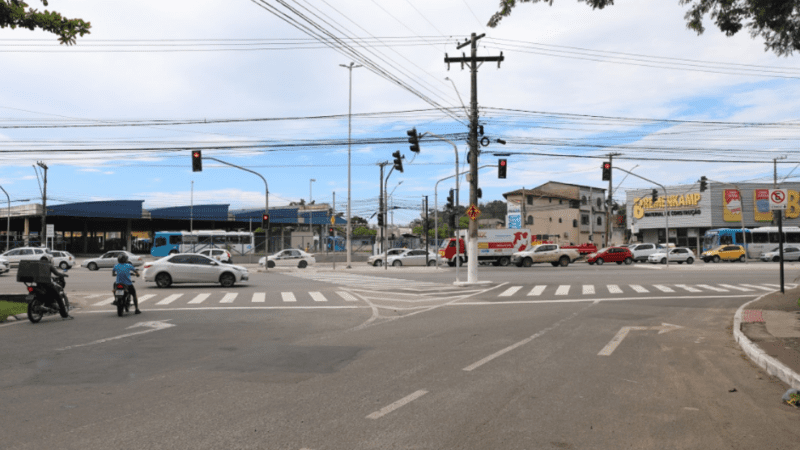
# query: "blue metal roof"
[198,212]
[115,209]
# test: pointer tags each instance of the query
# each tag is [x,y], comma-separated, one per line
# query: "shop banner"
[762,212]
[731,206]
[514,214]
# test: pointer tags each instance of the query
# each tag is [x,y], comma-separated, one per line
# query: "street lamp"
[392,200]
[349,129]
[309,190]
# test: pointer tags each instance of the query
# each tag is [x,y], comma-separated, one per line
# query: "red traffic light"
[502,162]
[606,165]
[265,218]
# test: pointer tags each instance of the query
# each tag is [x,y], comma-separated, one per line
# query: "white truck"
[495,246]
[545,253]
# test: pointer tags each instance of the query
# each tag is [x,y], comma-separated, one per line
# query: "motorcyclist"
[122,270]
[53,292]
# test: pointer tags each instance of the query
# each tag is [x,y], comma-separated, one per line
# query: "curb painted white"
[766,362]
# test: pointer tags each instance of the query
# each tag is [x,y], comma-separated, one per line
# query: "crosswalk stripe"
[711,288]
[288,297]
[146,297]
[107,301]
[199,299]
[347,296]
[563,289]
[95,295]
[588,289]
[537,290]
[755,286]
[229,297]
[688,288]
[318,297]
[662,288]
[259,297]
[169,299]
[614,289]
[510,291]
[736,288]
[638,288]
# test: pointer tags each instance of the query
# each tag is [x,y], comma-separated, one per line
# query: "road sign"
[50,229]
[333,220]
[777,199]
[473,212]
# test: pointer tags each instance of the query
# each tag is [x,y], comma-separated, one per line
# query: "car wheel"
[302,264]
[563,261]
[527,262]
[741,258]
[628,261]
[599,261]
[715,258]
[270,264]
[451,263]
[432,262]
[227,279]
[92,266]
[163,280]
[64,265]
[504,261]
[591,263]
[619,263]
[690,261]
[378,263]
[663,260]
[554,263]
[776,259]
[397,263]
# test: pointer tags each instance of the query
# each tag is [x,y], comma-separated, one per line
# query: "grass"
[11,309]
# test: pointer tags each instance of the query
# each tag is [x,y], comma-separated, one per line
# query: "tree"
[496,209]
[357,220]
[777,21]
[15,13]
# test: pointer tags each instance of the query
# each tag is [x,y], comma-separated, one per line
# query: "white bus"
[765,239]
[169,242]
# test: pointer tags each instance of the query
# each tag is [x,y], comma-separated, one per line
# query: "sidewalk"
[768,330]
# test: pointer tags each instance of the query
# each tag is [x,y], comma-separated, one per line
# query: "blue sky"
[167,78]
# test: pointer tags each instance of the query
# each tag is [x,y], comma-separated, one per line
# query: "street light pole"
[349,130]
[310,197]
[666,213]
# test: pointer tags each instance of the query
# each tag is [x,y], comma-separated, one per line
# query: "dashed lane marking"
[107,301]
[402,402]
[347,296]
[288,297]
[199,299]
[510,291]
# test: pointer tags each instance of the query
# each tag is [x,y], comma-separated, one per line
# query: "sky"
[109,115]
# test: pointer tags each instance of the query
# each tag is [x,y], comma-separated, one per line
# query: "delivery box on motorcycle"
[34,272]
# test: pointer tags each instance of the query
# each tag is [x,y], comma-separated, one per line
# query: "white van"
[642,251]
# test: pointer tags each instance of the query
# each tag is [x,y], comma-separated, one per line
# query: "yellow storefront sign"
[640,205]
[731,206]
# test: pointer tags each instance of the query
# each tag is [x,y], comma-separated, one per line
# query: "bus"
[724,236]
[759,240]
[169,242]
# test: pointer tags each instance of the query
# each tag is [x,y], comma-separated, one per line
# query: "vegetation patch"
[11,309]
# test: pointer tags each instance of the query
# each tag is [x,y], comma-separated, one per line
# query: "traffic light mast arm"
[666,213]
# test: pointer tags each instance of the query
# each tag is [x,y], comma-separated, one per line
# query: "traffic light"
[501,168]
[451,200]
[265,221]
[197,161]
[480,192]
[655,195]
[330,231]
[380,219]
[398,161]
[413,139]
[703,183]
[606,171]
[453,221]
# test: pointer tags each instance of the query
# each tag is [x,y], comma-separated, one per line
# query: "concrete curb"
[754,352]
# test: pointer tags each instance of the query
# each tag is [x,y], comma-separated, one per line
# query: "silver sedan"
[109,260]
[192,268]
[413,258]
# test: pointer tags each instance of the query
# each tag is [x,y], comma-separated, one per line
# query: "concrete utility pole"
[780,219]
[382,213]
[608,202]
[8,218]
[349,117]
[472,61]
[44,205]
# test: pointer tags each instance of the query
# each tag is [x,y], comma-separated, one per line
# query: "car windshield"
[602,250]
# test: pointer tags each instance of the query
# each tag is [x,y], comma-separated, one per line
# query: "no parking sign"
[778,199]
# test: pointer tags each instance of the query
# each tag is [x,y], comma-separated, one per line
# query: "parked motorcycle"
[40,301]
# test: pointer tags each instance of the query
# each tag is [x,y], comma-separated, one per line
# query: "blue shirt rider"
[123,270]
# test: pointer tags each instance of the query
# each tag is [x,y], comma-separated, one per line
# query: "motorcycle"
[39,302]
[122,296]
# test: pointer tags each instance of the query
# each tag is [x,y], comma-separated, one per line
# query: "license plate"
[120,292]
[29,297]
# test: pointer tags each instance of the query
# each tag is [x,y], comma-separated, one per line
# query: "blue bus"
[169,242]
[724,236]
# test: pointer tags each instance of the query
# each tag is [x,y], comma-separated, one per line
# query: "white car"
[789,254]
[192,268]
[643,251]
[216,253]
[14,256]
[288,258]
[5,266]
[377,260]
[109,260]
[62,259]
[412,258]
[679,255]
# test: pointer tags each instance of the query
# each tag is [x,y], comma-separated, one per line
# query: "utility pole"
[44,205]
[382,213]
[780,218]
[608,202]
[425,230]
[472,61]
[349,117]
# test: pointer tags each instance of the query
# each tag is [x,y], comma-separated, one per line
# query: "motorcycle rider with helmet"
[122,270]
[53,292]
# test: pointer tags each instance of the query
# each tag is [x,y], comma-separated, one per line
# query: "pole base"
[474,283]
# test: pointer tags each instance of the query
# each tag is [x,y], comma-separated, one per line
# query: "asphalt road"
[400,358]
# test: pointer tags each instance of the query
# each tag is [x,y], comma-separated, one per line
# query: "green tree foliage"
[15,13]
[777,21]
[496,209]
[356,221]
[363,231]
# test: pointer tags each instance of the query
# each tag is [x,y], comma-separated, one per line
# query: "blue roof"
[198,212]
[115,209]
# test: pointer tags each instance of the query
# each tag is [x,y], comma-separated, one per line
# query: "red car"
[618,255]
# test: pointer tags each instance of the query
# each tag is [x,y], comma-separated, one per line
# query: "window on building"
[574,204]
[599,203]
[550,199]
[583,200]
[529,220]
[584,219]
[559,220]
[529,199]
[560,201]
[551,219]
[599,221]
[574,223]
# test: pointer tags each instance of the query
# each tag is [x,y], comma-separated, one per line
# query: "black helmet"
[122,259]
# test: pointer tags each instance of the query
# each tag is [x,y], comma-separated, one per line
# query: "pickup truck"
[543,253]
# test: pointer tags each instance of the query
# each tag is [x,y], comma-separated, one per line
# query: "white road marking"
[229,297]
[318,297]
[510,291]
[169,299]
[711,288]
[402,402]
[563,289]
[146,297]
[537,290]
[107,301]
[259,297]
[596,300]
[347,296]
[152,326]
[737,288]
[755,286]
[288,297]
[688,288]
[662,288]
[588,289]
[638,288]
[199,299]
[617,339]
[614,289]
